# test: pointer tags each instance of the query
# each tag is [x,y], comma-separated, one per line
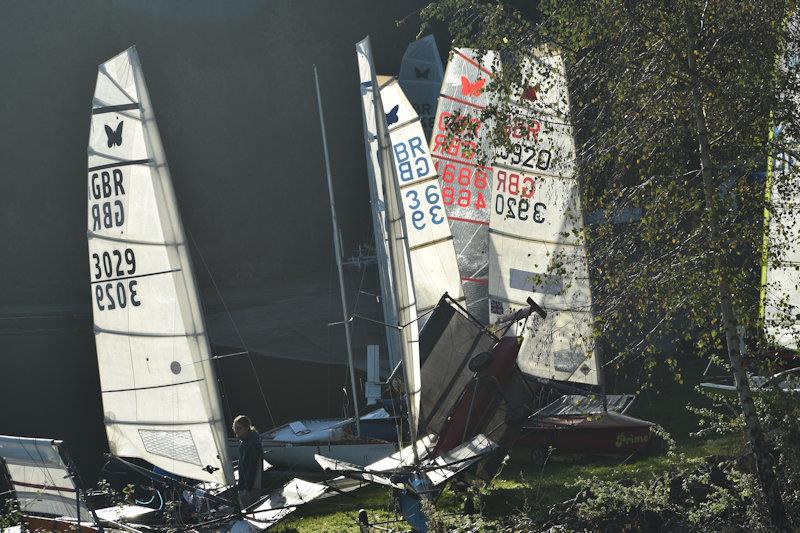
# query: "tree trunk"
[765,463]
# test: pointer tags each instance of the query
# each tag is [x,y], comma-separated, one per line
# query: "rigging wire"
[235,326]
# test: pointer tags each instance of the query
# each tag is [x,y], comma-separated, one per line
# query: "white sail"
[462,162]
[433,259]
[403,286]
[536,239]
[41,479]
[160,397]
[376,195]
[421,75]
[781,265]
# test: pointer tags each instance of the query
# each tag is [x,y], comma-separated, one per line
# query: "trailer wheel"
[480,361]
[539,455]
[517,415]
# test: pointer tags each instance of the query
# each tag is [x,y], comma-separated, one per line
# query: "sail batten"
[159,390]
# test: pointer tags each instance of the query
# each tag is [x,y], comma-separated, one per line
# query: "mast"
[338,252]
[378,206]
[400,261]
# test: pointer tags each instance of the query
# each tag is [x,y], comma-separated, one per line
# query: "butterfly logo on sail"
[366,86]
[530,93]
[422,74]
[391,116]
[115,135]
[472,88]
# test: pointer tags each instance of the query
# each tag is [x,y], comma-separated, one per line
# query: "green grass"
[520,487]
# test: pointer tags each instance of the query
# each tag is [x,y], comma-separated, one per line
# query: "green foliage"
[9,514]
[656,279]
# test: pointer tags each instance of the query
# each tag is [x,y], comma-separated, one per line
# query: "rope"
[235,327]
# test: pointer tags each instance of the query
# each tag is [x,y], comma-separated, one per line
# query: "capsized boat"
[46,485]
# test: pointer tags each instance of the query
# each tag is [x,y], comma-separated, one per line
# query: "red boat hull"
[608,433]
[479,401]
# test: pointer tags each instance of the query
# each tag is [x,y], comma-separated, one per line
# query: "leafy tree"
[672,102]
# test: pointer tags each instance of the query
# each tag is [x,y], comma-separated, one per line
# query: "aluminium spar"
[403,287]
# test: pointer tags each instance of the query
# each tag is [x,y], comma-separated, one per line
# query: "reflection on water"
[51,386]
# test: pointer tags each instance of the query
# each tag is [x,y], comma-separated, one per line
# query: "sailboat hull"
[300,458]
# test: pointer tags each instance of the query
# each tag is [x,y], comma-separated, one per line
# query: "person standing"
[251,460]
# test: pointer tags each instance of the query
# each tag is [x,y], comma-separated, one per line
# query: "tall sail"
[536,238]
[403,286]
[421,75]
[433,259]
[160,398]
[376,195]
[780,276]
[465,174]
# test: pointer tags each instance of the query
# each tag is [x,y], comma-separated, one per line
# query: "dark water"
[232,87]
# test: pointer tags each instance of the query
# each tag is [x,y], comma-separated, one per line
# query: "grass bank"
[521,487]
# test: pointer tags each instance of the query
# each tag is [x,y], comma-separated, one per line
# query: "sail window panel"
[116,138]
[175,451]
[560,347]
[536,208]
[115,82]
[129,362]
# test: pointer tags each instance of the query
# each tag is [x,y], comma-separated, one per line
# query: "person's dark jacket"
[251,458]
